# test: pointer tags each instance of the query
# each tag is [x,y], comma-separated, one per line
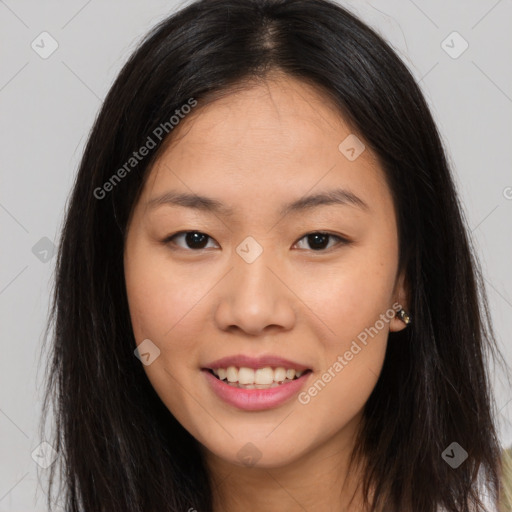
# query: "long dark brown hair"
[120,448]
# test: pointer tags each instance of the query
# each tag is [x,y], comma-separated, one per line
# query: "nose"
[255,297]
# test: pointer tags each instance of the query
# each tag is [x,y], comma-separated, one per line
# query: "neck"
[318,480]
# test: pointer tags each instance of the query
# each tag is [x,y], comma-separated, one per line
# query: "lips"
[241,360]
[255,383]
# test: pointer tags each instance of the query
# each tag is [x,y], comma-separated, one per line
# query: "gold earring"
[404,316]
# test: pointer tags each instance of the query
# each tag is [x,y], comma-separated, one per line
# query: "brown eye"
[319,241]
[194,240]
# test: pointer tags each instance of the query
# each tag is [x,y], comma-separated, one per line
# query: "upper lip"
[255,362]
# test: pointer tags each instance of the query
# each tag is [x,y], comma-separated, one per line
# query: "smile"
[261,378]
[252,396]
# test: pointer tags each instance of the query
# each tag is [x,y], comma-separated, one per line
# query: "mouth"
[260,378]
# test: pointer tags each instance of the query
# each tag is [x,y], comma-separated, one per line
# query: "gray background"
[48,106]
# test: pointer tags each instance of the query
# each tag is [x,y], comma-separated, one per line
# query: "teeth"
[265,386]
[260,378]
[290,374]
[254,386]
[280,374]
[246,376]
[232,374]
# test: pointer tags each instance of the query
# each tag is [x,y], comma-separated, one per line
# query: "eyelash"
[341,240]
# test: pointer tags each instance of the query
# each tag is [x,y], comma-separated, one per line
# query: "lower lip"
[255,399]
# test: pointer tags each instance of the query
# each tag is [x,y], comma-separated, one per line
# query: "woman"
[266,295]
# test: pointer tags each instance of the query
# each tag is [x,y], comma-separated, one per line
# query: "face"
[291,263]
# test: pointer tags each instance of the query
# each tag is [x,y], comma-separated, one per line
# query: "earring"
[404,316]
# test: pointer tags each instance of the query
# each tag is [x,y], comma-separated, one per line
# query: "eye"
[194,239]
[319,240]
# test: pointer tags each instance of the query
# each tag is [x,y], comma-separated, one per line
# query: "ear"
[401,297]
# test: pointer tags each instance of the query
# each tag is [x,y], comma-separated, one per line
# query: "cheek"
[356,309]
[165,303]
[356,303]
[351,295]
[165,307]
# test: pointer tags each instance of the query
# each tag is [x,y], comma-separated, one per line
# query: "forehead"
[272,141]
[284,114]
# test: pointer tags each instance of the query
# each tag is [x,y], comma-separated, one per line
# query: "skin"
[255,150]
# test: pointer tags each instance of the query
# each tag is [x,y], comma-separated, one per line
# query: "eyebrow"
[330,197]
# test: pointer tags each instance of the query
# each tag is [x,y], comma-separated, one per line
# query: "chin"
[255,452]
